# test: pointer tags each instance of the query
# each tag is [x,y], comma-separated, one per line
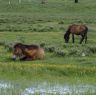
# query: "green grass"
[72,67]
[37,17]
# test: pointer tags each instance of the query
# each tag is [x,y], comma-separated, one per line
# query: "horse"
[76,30]
[27,52]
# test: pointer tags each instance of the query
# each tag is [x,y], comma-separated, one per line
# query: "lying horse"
[27,52]
[76,30]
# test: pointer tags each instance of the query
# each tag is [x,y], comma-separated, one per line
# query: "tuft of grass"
[50,49]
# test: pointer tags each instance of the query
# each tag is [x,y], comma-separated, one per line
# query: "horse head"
[17,51]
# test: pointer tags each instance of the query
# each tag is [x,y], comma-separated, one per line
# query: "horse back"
[34,53]
[78,29]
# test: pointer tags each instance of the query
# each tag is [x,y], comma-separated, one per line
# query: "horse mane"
[23,46]
[67,33]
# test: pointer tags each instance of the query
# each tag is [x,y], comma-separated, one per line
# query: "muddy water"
[45,88]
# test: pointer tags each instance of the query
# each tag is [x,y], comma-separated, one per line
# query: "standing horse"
[76,30]
[27,52]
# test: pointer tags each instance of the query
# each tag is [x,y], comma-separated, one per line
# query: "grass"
[70,67]
[36,17]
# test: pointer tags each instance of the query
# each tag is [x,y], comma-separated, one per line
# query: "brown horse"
[76,30]
[27,52]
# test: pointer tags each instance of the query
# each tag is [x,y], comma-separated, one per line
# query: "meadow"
[30,22]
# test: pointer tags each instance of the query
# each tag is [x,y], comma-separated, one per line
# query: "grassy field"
[55,15]
[31,22]
[61,60]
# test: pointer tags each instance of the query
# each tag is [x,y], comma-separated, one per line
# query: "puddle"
[58,89]
[4,85]
[45,88]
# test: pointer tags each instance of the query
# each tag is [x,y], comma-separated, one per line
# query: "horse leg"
[85,38]
[73,38]
[82,39]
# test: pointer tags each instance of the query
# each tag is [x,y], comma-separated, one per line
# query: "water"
[5,85]
[59,89]
[45,88]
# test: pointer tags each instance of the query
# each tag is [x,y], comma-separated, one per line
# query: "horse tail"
[86,29]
